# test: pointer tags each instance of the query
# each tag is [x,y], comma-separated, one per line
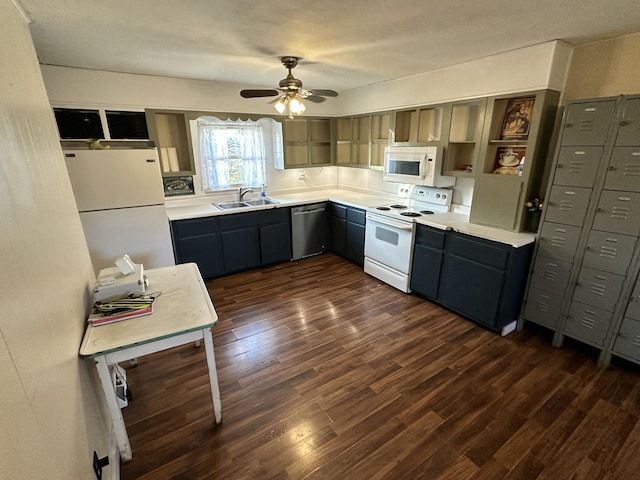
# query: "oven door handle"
[389,222]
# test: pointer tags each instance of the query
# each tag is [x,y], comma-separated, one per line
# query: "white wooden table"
[182,314]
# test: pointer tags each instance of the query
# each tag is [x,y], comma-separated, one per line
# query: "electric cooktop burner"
[383,208]
[410,214]
[426,212]
[398,206]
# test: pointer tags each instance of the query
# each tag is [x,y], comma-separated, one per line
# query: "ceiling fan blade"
[324,93]
[258,93]
[315,98]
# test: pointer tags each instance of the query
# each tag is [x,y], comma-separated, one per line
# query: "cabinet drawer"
[550,275]
[484,252]
[543,307]
[610,252]
[337,210]
[618,212]
[355,215]
[194,227]
[568,205]
[628,339]
[559,241]
[624,170]
[253,219]
[588,323]
[577,166]
[430,236]
[598,288]
[633,308]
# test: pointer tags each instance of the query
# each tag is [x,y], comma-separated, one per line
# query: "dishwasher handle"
[306,212]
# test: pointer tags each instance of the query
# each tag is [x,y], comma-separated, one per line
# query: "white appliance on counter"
[389,234]
[120,198]
[415,165]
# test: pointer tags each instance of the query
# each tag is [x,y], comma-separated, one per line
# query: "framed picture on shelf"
[509,160]
[517,119]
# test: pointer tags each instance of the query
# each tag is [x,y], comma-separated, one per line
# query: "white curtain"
[232,153]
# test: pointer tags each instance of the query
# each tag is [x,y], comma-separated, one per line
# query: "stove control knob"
[444,196]
[437,195]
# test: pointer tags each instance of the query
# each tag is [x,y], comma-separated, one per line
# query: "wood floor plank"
[327,373]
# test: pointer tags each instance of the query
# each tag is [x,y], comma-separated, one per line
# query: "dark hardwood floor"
[326,373]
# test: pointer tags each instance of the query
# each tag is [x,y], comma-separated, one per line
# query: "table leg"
[117,421]
[213,374]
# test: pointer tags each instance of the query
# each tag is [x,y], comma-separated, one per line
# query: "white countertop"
[203,207]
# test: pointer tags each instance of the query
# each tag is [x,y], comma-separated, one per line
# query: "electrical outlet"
[99,464]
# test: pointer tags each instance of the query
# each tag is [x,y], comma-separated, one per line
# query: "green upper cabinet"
[421,126]
[361,139]
[464,132]
[513,157]
[308,142]
[169,129]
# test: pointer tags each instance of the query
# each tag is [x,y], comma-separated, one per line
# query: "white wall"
[50,416]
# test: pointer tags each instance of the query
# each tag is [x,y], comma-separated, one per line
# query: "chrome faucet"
[241,192]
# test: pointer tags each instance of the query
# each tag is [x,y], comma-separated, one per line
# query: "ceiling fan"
[290,91]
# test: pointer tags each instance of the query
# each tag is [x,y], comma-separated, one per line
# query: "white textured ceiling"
[344,43]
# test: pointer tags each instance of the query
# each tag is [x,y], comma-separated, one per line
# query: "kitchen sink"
[261,201]
[229,205]
[247,203]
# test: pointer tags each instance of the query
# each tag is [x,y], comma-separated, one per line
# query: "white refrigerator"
[120,197]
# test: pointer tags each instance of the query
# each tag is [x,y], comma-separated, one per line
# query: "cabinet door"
[425,275]
[598,288]
[355,243]
[241,249]
[628,339]
[610,252]
[559,241]
[588,323]
[629,131]
[550,275]
[633,308]
[567,205]
[338,230]
[472,289]
[496,202]
[543,307]
[275,243]
[577,166]
[624,170]
[618,212]
[587,123]
[205,251]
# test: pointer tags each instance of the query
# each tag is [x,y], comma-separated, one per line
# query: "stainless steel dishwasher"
[309,230]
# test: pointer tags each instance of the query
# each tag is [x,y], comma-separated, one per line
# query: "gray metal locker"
[618,212]
[587,123]
[624,170]
[550,275]
[610,252]
[567,205]
[587,323]
[577,166]
[629,131]
[558,241]
[598,288]
[543,307]
[628,339]
[633,308]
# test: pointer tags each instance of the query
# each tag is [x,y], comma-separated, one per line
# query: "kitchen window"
[234,152]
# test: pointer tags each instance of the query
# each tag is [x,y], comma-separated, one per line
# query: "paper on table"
[164,158]
[173,159]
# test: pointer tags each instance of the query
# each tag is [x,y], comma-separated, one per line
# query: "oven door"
[389,242]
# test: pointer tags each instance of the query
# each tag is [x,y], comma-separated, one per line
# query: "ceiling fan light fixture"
[296,106]
[281,104]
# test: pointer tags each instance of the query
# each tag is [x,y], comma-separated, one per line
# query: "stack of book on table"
[120,309]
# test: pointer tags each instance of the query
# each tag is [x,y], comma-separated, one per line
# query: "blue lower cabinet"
[233,242]
[427,265]
[347,232]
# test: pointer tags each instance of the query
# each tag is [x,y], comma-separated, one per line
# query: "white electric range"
[390,229]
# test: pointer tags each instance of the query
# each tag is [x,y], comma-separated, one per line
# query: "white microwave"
[415,165]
